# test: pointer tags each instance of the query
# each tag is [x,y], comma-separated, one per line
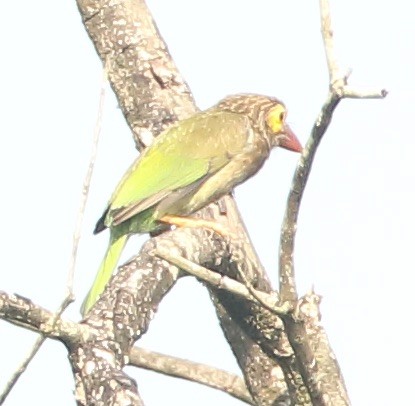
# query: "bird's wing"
[180,159]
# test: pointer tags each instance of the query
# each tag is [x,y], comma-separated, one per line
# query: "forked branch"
[319,368]
[338,89]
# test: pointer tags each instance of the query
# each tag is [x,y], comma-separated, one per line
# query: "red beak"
[290,140]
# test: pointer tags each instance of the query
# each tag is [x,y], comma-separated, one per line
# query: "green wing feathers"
[171,170]
[182,155]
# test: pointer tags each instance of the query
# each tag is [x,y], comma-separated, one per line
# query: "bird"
[190,165]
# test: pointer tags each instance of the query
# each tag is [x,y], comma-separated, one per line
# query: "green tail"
[105,271]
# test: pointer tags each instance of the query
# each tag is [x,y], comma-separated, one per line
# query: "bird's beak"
[289,140]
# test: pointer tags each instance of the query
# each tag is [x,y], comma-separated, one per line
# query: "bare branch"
[22,312]
[288,291]
[339,89]
[150,90]
[364,94]
[86,185]
[268,300]
[319,368]
[191,371]
[338,80]
[327,33]
[33,351]
[152,96]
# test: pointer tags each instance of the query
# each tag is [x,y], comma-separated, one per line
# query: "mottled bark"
[152,95]
[284,356]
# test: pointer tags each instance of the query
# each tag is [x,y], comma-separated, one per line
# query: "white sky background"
[355,233]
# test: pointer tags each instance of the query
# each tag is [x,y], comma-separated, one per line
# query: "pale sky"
[355,232]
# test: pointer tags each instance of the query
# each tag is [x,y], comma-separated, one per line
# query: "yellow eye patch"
[275,118]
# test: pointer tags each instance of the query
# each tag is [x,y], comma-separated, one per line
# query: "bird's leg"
[196,223]
[222,207]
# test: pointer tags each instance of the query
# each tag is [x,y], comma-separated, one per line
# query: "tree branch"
[191,371]
[24,313]
[329,387]
[339,89]
[149,88]
[153,95]
[267,300]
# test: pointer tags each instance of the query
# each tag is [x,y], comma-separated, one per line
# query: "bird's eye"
[275,118]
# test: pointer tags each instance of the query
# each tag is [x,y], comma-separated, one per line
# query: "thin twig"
[329,387]
[191,371]
[364,94]
[281,310]
[327,33]
[69,296]
[288,291]
[339,89]
[86,185]
[223,282]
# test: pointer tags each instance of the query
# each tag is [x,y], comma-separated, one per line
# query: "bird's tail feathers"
[105,271]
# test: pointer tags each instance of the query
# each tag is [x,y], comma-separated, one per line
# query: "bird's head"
[279,131]
[268,116]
